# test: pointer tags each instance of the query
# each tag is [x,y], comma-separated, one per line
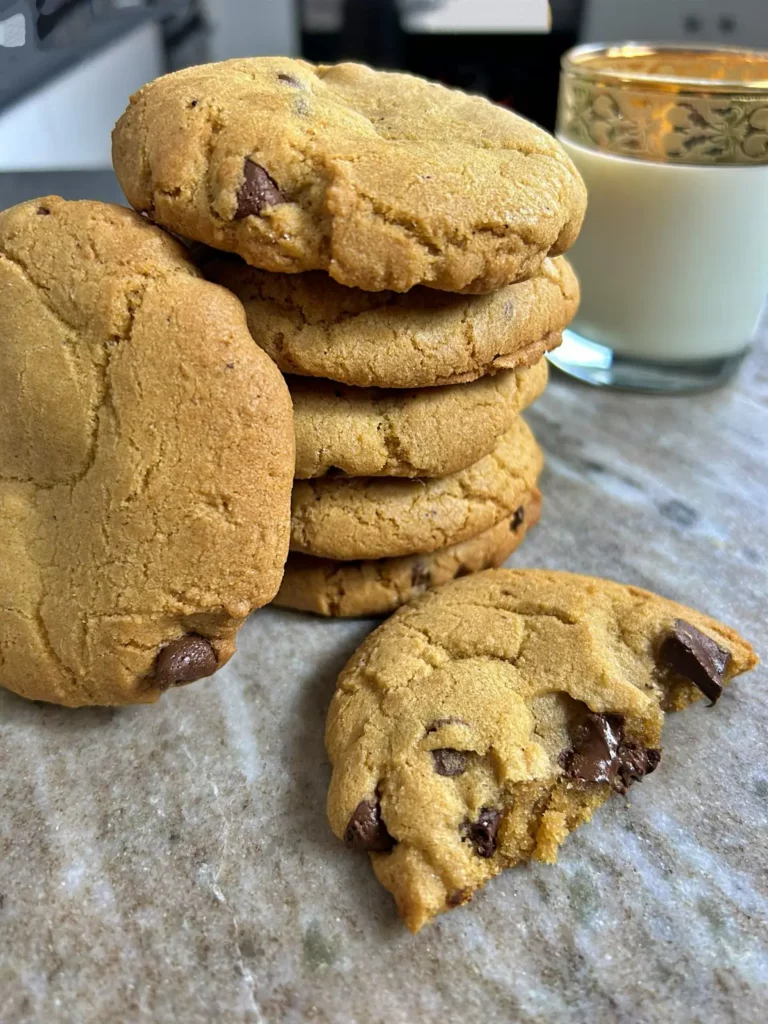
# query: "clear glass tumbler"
[673,257]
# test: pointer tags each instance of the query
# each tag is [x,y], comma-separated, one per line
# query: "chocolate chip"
[366,830]
[43,211]
[184,660]
[482,833]
[257,191]
[449,761]
[634,764]
[193,103]
[600,754]
[421,576]
[460,896]
[690,653]
[289,80]
[518,518]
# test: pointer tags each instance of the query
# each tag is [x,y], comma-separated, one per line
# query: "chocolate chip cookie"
[377,587]
[146,460]
[384,180]
[422,432]
[348,518]
[313,327]
[489,718]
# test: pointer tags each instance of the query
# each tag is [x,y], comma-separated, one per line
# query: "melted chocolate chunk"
[482,833]
[257,191]
[595,748]
[517,519]
[690,653]
[449,761]
[366,830]
[634,764]
[599,754]
[184,660]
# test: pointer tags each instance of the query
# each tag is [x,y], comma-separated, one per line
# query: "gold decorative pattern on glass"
[667,104]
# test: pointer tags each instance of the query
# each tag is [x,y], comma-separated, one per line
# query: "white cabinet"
[66,124]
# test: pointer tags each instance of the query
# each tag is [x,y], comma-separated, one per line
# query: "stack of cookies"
[398,256]
[413,465]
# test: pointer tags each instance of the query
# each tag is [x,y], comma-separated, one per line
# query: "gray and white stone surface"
[173,863]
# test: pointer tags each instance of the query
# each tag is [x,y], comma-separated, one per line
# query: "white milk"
[673,259]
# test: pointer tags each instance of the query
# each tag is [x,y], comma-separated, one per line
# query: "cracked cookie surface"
[486,720]
[146,460]
[349,518]
[384,180]
[341,430]
[377,587]
[313,327]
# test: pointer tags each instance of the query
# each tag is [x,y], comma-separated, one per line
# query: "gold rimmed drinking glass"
[673,258]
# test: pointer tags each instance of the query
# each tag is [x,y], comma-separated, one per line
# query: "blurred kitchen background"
[67,67]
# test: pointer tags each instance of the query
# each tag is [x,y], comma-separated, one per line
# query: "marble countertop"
[174,864]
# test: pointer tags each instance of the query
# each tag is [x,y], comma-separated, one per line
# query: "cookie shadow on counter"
[310,773]
[16,710]
[306,759]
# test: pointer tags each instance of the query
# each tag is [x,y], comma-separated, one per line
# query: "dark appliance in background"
[519,71]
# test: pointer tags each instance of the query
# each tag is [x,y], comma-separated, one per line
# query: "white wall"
[67,124]
[481,16]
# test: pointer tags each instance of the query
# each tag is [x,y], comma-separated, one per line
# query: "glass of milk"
[673,259]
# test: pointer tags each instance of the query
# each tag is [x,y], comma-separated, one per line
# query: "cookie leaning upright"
[146,459]
[384,180]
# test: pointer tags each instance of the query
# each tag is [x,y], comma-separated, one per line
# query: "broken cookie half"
[484,722]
